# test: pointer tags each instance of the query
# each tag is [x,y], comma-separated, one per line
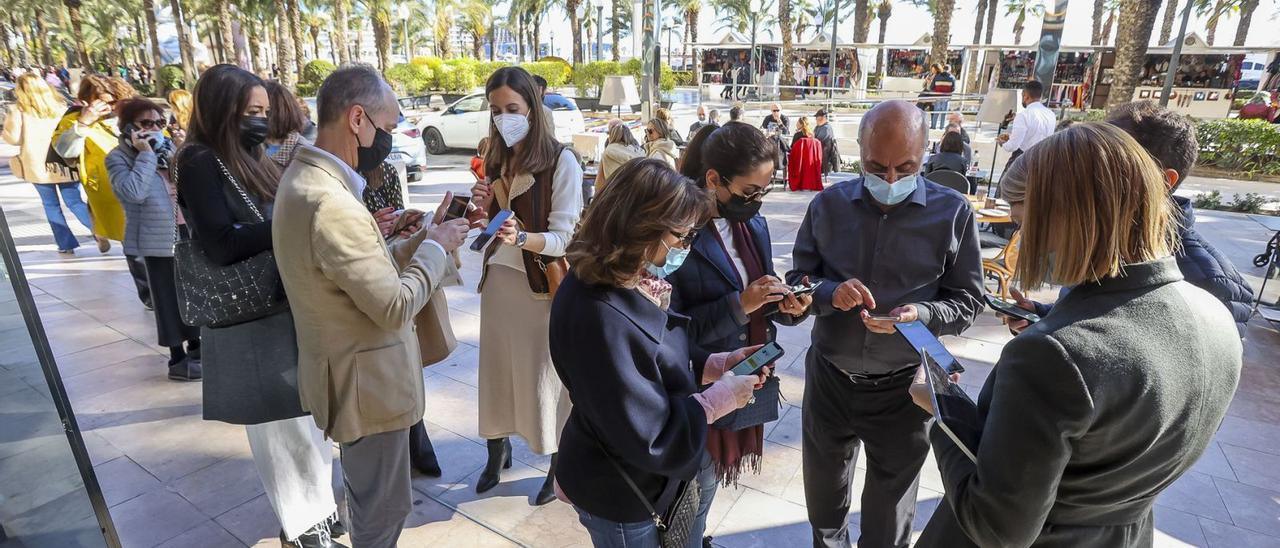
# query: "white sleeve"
[1017,132]
[71,143]
[566,204]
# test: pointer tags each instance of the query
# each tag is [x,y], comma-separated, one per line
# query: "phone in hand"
[490,231]
[885,318]
[805,289]
[405,219]
[1011,309]
[457,208]
[752,364]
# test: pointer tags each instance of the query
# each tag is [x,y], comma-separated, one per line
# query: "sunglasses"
[776,110]
[687,238]
[151,124]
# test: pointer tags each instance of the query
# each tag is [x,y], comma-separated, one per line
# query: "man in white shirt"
[1032,125]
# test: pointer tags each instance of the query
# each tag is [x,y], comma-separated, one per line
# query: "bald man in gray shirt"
[889,243]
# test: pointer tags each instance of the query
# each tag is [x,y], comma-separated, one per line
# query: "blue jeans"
[643,534]
[938,120]
[53,211]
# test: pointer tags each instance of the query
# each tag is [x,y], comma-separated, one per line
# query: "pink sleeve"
[717,401]
[714,368]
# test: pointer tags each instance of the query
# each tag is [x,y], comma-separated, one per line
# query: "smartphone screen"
[766,355]
[1011,309]
[799,290]
[489,231]
[457,208]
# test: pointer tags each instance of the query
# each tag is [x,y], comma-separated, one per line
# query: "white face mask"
[512,127]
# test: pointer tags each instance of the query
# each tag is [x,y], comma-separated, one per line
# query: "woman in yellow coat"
[89,134]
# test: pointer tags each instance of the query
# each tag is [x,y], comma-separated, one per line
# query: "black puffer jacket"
[1207,268]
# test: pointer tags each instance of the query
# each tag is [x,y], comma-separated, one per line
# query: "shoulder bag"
[764,408]
[555,268]
[213,295]
[674,526]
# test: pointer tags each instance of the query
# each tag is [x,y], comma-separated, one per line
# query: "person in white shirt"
[1035,123]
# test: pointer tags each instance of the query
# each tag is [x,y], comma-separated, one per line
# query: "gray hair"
[349,86]
[713,115]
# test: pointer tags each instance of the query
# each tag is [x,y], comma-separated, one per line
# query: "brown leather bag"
[435,333]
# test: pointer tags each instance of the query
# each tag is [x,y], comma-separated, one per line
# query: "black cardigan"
[225,236]
[626,364]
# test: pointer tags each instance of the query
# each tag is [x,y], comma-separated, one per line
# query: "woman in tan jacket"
[29,125]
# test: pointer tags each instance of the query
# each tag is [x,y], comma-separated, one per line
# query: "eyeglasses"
[151,124]
[776,110]
[754,196]
[687,238]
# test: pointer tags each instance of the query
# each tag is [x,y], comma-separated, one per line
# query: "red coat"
[804,171]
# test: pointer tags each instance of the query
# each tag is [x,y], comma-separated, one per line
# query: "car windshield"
[555,101]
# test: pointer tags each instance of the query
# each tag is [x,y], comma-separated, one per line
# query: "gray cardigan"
[148,209]
[1090,414]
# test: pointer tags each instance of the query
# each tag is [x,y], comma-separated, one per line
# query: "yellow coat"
[100,139]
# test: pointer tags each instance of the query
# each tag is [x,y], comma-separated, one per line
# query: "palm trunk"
[575,25]
[941,30]
[286,57]
[493,36]
[537,37]
[1019,26]
[382,38]
[1246,17]
[784,24]
[257,55]
[977,22]
[885,11]
[21,34]
[77,32]
[184,44]
[1099,9]
[613,28]
[224,30]
[1106,30]
[861,21]
[1166,25]
[142,51]
[42,40]
[4,44]
[315,42]
[1133,32]
[340,23]
[992,6]
[295,30]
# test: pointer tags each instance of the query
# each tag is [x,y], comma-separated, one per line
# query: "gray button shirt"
[924,252]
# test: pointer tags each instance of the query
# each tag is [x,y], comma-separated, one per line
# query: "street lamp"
[756,7]
[599,27]
[403,12]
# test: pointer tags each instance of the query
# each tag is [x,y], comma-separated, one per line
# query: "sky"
[908,23]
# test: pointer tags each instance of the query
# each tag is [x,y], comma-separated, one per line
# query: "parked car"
[406,144]
[1252,70]
[466,121]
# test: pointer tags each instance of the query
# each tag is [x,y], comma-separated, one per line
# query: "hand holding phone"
[457,208]
[405,221]
[1012,310]
[761,292]
[494,224]
[751,365]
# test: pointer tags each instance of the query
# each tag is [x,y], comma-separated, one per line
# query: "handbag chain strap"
[177,236]
[648,506]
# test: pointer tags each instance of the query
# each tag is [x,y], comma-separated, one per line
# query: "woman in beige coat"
[29,125]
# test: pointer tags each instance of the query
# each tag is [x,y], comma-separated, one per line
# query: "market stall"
[1204,82]
[733,51]
[1008,67]
[815,55]
[907,67]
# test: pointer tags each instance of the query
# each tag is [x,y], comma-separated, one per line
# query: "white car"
[407,146]
[466,121]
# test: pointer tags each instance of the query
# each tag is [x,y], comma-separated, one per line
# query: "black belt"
[868,379]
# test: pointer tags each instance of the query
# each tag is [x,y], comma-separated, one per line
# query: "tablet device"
[953,411]
[923,341]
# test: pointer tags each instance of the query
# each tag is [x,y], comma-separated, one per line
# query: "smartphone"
[457,208]
[803,289]
[766,355]
[1011,309]
[489,231]
[885,318]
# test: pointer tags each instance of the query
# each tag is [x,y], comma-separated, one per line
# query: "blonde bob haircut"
[1095,202]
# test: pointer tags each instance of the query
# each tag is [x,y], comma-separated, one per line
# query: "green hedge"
[171,78]
[461,75]
[1247,146]
[410,78]
[313,74]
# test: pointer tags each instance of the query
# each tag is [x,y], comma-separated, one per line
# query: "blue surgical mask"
[675,258]
[890,194]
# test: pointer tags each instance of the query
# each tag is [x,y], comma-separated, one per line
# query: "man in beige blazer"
[354,300]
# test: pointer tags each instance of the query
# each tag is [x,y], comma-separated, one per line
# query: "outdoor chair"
[1001,267]
[950,179]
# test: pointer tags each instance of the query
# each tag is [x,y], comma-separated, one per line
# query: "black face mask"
[253,131]
[370,157]
[738,208]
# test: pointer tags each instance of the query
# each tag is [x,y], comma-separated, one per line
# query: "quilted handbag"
[673,527]
[213,295]
[764,408]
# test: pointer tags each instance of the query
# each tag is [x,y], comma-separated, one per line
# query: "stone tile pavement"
[174,480]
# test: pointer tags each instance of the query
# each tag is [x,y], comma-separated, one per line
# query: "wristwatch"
[521,238]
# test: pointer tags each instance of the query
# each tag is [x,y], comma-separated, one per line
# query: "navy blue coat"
[630,372]
[1207,268]
[707,289]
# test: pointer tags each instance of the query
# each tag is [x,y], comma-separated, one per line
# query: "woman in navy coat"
[728,286]
[627,361]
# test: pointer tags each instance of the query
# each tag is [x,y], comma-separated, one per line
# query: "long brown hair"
[644,200]
[539,150]
[1092,217]
[286,112]
[221,96]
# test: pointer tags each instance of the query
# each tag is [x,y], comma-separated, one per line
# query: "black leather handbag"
[764,408]
[213,295]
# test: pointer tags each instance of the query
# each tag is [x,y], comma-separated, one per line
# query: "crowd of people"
[611,330]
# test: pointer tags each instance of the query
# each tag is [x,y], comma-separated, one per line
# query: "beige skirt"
[520,393]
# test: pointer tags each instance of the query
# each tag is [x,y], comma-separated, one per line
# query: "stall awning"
[730,40]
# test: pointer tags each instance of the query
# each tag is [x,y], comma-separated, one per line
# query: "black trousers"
[838,418]
[138,271]
[164,298]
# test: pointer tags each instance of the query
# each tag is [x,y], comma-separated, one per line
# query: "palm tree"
[295,31]
[619,24]
[861,21]
[223,20]
[977,21]
[801,17]
[992,5]
[77,30]
[1099,7]
[1166,25]
[691,9]
[784,25]
[1247,7]
[1137,19]
[340,23]
[315,23]
[443,29]
[286,56]
[380,18]
[475,20]
[153,38]
[575,27]
[942,12]
[1215,10]
[883,12]
[1022,7]
[185,49]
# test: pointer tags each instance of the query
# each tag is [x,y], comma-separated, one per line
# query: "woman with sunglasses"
[728,286]
[657,144]
[636,435]
[139,170]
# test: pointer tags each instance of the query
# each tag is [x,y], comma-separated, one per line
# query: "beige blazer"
[353,300]
[32,135]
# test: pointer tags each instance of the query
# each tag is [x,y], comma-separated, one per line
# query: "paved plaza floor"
[174,480]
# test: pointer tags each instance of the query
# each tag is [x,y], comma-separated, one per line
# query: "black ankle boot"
[499,458]
[421,455]
[548,491]
[318,536]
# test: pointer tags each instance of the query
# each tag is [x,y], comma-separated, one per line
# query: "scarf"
[656,289]
[733,450]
